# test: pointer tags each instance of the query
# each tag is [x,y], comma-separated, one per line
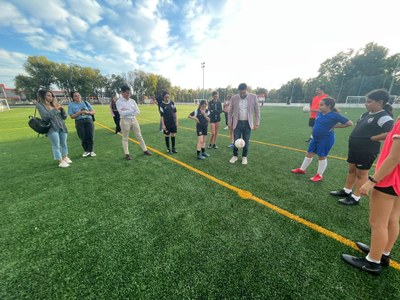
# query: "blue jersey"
[323,127]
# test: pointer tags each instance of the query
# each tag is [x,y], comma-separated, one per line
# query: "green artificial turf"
[152,228]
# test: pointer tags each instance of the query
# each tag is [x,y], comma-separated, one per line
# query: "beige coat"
[253,111]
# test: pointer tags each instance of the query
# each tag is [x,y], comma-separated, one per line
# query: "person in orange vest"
[314,107]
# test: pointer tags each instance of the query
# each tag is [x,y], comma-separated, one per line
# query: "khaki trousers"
[126,126]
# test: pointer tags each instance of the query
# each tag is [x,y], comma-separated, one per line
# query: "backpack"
[38,125]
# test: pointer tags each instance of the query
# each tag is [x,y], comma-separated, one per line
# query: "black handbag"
[38,125]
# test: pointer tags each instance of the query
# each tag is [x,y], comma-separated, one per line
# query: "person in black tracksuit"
[215,108]
[201,116]
[169,121]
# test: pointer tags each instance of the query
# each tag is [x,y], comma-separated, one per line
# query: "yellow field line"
[249,196]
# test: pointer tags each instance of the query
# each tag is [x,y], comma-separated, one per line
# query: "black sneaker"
[340,193]
[385,259]
[363,264]
[349,201]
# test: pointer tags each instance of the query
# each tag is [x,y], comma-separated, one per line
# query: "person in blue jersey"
[323,140]
[201,116]
[169,120]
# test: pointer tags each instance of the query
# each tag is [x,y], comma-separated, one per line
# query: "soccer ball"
[239,143]
[306,108]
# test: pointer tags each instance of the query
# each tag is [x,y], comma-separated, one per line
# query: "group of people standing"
[373,127]
[82,112]
[243,116]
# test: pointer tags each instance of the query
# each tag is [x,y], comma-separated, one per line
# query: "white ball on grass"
[240,143]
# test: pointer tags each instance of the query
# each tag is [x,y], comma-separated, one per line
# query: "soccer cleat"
[67,160]
[86,154]
[215,146]
[230,146]
[200,157]
[128,157]
[226,127]
[174,150]
[92,154]
[205,154]
[209,146]
[363,264]
[63,164]
[309,140]
[316,178]
[298,171]
[340,193]
[169,151]
[349,200]
[148,153]
[385,259]
[244,160]
[233,159]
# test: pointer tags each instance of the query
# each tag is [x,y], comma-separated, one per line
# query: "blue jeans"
[58,142]
[243,131]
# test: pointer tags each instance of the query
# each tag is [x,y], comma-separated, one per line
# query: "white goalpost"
[360,100]
[4,105]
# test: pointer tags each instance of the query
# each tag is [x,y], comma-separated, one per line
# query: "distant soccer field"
[174,227]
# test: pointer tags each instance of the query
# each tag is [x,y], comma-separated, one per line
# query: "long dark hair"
[202,102]
[42,96]
[381,95]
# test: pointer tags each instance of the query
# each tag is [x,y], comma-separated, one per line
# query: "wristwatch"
[372,179]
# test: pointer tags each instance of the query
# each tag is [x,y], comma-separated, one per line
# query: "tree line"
[347,73]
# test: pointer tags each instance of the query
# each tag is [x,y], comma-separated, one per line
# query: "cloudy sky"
[264,43]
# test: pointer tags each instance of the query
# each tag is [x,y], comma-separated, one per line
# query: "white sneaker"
[233,159]
[92,154]
[67,160]
[244,160]
[86,154]
[63,164]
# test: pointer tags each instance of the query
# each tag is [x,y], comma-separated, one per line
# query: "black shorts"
[201,130]
[215,119]
[362,160]
[386,190]
[311,122]
[169,130]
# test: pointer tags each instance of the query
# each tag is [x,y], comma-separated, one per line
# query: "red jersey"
[393,178]
[315,104]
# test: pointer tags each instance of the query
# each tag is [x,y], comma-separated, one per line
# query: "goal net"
[360,100]
[4,105]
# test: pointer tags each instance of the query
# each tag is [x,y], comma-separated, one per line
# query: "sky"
[264,43]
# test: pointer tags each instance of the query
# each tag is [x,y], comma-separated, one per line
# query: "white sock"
[357,198]
[386,253]
[322,164]
[348,191]
[306,162]
[372,260]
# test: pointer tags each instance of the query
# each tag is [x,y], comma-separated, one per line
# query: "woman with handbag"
[83,114]
[53,112]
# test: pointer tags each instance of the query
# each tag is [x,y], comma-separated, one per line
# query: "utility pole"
[203,65]
[394,74]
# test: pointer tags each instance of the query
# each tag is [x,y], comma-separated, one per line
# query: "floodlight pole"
[203,65]
[394,74]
